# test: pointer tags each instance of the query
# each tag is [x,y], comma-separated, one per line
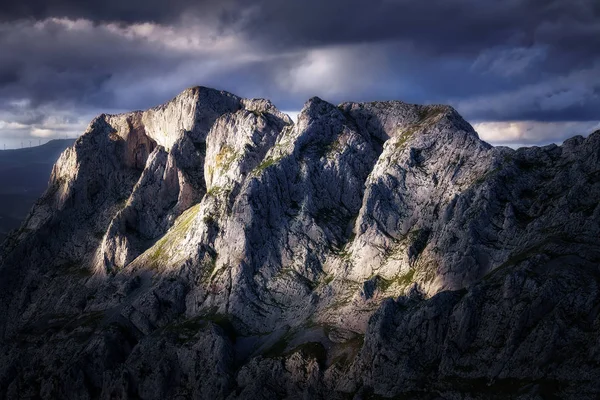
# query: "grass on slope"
[163,250]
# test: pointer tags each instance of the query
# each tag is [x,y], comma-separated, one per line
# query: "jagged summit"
[211,247]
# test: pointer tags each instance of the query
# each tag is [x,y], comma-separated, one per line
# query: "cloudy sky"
[523,72]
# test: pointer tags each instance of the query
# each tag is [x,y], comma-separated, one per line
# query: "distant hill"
[24,175]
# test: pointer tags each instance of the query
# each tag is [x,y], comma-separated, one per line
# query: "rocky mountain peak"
[194,111]
[213,227]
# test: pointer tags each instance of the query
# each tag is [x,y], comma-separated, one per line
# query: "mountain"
[211,248]
[24,175]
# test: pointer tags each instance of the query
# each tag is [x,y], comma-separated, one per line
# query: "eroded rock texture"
[210,248]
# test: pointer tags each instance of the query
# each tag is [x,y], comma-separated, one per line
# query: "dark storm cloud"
[455,26]
[439,25]
[442,26]
[105,10]
[509,60]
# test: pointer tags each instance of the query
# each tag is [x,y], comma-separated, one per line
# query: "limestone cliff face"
[210,247]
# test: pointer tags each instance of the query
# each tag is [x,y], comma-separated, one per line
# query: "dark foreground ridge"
[210,248]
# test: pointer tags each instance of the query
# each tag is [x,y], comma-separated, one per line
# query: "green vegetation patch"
[216,191]
[401,281]
[186,330]
[428,115]
[74,269]
[404,137]
[209,264]
[327,279]
[266,164]
[225,157]
[160,251]
[341,301]
[330,149]
[223,321]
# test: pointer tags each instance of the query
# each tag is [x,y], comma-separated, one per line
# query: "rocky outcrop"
[528,330]
[212,248]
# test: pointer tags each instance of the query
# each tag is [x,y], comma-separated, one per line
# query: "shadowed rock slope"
[210,247]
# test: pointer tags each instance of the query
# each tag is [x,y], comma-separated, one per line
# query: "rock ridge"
[211,247]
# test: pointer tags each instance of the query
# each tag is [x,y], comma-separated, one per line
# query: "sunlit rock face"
[209,247]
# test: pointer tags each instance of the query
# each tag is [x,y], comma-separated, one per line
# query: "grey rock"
[209,247]
[528,330]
